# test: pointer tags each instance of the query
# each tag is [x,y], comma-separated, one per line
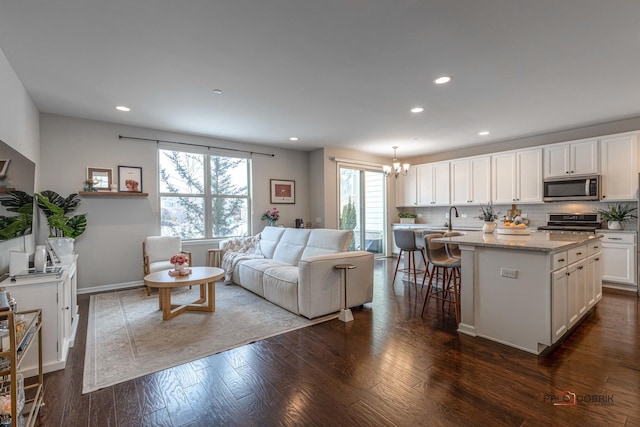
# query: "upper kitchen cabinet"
[573,158]
[517,176]
[406,189]
[433,184]
[619,157]
[471,180]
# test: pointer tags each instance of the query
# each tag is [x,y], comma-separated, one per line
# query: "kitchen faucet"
[450,217]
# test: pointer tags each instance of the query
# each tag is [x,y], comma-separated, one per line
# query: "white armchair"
[156,252]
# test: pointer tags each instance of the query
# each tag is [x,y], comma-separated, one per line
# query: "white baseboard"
[620,286]
[112,287]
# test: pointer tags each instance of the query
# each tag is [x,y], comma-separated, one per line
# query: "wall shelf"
[111,194]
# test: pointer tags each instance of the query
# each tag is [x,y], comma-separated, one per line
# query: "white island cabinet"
[56,296]
[527,291]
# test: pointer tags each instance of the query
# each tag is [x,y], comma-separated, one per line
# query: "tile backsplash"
[536,213]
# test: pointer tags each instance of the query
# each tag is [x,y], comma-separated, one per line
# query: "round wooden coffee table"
[203,276]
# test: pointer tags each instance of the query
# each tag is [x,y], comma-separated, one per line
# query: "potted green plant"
[407,218]
[616,215]
[56,208]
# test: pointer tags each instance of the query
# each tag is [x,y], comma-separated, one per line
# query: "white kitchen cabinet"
[574,158]
[577,291]
[433,184]
[619,257]
[572,283]
[471,180]
[559,304]
[56,296]
[406,188]
[517,176]
[619,156]
[594,279]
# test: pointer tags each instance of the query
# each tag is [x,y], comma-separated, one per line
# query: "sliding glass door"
[362,207]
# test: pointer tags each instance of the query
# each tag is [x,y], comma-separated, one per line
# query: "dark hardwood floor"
[388,367]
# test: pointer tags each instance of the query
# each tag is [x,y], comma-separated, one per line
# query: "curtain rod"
[194,145]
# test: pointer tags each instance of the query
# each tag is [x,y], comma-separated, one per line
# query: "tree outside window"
[192,210]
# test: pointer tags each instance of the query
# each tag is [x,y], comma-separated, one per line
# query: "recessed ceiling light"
[417,109]
[442,80]
[217,91]
[294,138]
[484,133]
[122,108]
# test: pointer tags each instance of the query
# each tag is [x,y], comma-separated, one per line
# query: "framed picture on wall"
[283,191]
[102,178]
[130,179]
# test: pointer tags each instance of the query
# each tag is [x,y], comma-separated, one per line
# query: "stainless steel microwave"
[573,188]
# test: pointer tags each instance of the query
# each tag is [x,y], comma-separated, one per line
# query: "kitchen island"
[527,291]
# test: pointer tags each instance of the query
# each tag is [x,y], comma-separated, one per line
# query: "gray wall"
[110,253]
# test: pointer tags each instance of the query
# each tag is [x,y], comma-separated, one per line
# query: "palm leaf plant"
[56,208]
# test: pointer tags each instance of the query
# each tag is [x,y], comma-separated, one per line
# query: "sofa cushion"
[323,241]
[269,238]
[251,273]
[281,287]
[291,245]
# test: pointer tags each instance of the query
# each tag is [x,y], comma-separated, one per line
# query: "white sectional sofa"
[294,268]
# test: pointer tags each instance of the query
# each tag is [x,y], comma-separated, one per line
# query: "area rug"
[127,338]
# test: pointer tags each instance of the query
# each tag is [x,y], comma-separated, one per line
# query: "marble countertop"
[536,241]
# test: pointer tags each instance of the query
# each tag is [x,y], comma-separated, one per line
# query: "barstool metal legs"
[411,259]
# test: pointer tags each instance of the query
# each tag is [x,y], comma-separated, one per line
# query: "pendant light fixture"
[397,168]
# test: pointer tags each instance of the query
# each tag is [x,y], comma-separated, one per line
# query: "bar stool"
[406,241]
[214,257]
[453,249]
[448,270]
[345,313]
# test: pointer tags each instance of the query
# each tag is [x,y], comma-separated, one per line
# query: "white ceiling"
[331,72]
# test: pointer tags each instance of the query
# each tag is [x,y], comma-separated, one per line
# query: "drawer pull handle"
[578,253]
[614,238]
[561,260]
[597,259]
[580,267]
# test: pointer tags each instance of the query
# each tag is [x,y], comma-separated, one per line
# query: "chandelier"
[397,169]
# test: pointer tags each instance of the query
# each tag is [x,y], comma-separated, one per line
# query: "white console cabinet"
[57,297]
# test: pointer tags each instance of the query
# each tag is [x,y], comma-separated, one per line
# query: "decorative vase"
[489,227]
[615,225]
[40,258]
[180,267]
[272,222]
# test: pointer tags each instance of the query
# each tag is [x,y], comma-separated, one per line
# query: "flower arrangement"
[487,213]
[90,184]
[179,259]
[271,215]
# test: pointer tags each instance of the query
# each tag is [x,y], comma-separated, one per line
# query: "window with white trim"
[203,195]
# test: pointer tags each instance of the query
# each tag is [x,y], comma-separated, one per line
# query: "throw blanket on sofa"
[238,249]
